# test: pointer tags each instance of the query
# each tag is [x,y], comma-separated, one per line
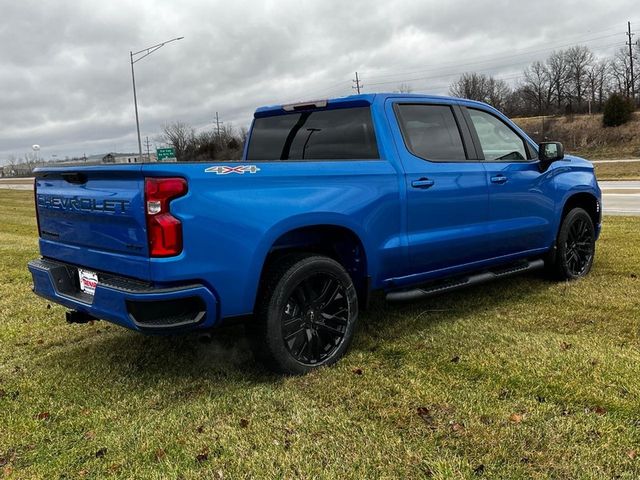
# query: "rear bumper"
[130,303]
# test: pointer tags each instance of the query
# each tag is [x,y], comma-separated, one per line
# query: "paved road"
[17,183]
[619,197]
[623,160]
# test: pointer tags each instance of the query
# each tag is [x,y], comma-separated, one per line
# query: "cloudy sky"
[65,77]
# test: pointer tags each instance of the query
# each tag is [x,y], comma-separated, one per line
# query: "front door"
[446,186]
[521,205]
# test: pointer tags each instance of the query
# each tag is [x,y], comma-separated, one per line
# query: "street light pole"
[135,103]
[147,51]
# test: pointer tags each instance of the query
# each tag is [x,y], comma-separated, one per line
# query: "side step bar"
[465,281]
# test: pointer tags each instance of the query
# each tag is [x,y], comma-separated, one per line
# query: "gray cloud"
[66,81]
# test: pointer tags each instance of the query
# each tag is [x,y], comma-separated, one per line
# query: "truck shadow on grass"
[120,358]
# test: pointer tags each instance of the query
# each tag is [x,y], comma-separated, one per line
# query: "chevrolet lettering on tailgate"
[59,202]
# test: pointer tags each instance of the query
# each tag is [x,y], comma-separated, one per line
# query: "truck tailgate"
[94,217]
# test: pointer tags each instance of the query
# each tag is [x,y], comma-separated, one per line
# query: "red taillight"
[164,231]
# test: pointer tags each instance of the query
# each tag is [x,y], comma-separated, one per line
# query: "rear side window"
[345,133]
[499,143]
[431,132]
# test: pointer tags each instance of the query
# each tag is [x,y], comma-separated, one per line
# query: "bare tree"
[205,145]
[537,86]
[244,134]
[558,71]
[579,60]
[12,160]
[404,88]
[564,82]
[558,68]
[498,92]
[597,78]
[470,85]
[621,71]
[30,162]
[476,86]
[181,137]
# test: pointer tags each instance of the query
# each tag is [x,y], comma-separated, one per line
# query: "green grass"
[521,378]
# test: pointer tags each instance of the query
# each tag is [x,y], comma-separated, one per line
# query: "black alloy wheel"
[306,314]
[575,247]
[315,318]
[579,246]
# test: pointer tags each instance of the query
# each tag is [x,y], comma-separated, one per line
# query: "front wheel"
[575,246]
[306,314]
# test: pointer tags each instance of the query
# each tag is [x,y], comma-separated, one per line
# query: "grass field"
[618,171]
[516,379]
[584,135]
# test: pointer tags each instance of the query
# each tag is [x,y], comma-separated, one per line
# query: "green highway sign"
[166,153]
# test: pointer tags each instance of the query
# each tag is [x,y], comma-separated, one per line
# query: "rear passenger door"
[446,186]
[521,205]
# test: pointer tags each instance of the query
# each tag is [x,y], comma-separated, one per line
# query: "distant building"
[113,157]
[19,170]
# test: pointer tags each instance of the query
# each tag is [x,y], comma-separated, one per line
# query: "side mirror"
[549,152]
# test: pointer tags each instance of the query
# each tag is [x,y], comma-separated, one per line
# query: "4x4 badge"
[226,169]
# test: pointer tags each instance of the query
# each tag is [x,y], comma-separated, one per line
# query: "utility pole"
[147,143]
[218,123]
[357,85]
[630,43]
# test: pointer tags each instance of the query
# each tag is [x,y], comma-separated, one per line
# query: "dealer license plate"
[88,281]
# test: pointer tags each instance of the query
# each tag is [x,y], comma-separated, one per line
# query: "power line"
[552,45]
[458,72]
[343,85]
[490,59]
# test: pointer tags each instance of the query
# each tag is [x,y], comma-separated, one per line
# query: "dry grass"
[517,379]
[584,135]
[618,171]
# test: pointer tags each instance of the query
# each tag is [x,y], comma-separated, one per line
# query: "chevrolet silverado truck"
[409,195]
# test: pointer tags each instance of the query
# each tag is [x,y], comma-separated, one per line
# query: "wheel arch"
[336,241]
[585,200]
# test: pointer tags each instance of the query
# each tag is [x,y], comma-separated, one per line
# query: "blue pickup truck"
[409,195]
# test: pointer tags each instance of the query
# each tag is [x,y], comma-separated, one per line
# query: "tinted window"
[431,132]
[345,133]
[498,141]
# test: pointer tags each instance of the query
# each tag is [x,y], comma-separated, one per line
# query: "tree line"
[225,143]
[572,80]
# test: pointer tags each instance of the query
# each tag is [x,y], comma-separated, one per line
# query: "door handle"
[422,183]
[498,179]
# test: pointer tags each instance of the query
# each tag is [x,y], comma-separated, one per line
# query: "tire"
[305,316]
[575,247]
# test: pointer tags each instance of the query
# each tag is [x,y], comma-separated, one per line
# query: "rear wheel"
[306,314]
[575,246]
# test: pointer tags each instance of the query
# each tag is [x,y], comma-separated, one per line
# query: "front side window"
[431,132]
[498,141]
[340,134]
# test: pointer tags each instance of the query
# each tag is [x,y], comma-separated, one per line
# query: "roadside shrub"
[617,111]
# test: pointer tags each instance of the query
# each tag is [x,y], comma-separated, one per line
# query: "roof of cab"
[363,99]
